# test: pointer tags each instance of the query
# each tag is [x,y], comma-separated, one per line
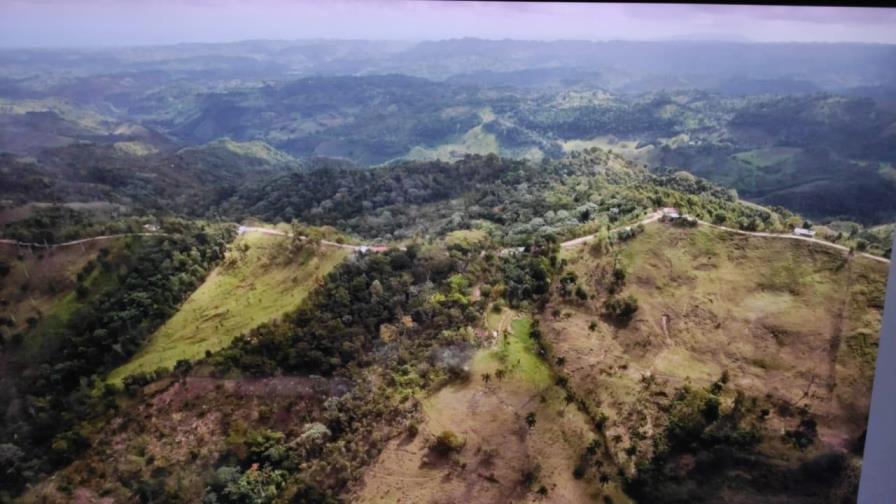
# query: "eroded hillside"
[742,363]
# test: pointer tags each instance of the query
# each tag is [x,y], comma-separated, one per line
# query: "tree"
[581,293]
[530,419]
[182,368]
[376,290]
[621,309]
[447,442]
[600,245]
[711,408]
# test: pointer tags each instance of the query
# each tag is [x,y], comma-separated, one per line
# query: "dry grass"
[794,321]
[499,447]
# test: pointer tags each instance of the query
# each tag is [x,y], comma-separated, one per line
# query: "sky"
[70,23]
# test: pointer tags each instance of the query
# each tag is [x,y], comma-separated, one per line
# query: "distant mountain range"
[700,61]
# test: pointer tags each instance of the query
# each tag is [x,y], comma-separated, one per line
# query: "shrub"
[621,308]
[447,442]
[804,435]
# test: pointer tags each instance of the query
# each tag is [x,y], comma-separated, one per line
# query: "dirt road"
[380,248]
[584,239]
[77,242]
[656,215]
[794,237]
[277,232]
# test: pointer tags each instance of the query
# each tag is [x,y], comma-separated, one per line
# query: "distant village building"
[670,213]
[512,251]
[374,249]
[808,233]
[150,228]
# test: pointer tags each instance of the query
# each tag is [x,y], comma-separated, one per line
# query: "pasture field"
[257,282]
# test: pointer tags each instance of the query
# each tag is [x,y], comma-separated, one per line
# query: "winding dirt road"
[277,232]
[76,242]
[585,239]
[655,216]
[794,237]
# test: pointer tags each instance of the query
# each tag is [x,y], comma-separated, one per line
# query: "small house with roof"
[670,213]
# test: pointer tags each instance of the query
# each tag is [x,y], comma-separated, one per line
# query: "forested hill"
[824,151]
[511,199]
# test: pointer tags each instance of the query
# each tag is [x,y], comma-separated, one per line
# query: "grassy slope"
[490,417]
[474,141]
[41,285]
[784,318]
[237,296]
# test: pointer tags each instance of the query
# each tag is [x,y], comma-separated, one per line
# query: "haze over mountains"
[747,115]
[830,66]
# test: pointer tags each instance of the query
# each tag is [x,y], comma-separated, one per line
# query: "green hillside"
[39,290]
[258,281]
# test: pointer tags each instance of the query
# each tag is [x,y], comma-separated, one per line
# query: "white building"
[671,213]
[808,233]
[511,251]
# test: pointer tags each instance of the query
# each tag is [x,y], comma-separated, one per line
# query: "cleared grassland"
[474,141]
[768,156]
[490,415]
[40,286]
[793,324]
[258,281]
[626,148]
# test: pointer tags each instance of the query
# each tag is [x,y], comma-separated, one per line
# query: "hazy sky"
[140,22]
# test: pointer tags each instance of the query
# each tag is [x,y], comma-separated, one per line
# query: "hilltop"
[779,333]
